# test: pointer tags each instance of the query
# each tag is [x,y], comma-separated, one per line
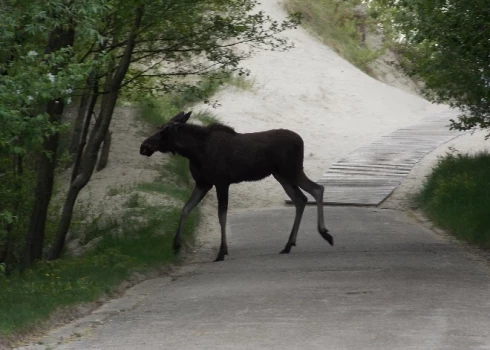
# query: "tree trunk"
[98,134]
[8,257]
[44,189]
[87,166]
[78,125]
[83,138]
[46,163]
[104,153]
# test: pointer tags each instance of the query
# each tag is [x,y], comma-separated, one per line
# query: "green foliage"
[206,29]
[446,46]
[207,117]
[134,201]
[242,82]
[27,299]
[32,73]
[158,110]
[48,286]
[338,26]
[457,197]
[143,240]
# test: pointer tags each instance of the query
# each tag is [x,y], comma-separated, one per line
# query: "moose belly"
[235,172]
[250,171]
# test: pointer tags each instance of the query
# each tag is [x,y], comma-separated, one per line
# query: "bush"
[456,197]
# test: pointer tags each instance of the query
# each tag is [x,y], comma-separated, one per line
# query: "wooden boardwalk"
[371,173]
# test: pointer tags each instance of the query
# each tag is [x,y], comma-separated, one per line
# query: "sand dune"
[333,105]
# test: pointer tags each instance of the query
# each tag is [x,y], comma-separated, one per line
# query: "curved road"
[389,283]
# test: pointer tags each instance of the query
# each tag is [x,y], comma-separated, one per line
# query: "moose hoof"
[220,257]
[328,237]
[287,248]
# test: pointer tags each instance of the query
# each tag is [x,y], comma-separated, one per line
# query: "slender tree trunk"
[87,166]
[34,240]
[104,153]
[98,134]
[78,125]
[86,126]
[44,189]
[9,249]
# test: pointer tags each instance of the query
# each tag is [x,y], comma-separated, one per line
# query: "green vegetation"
[342,25]
[456,197]
[241,82]
[207,118]
[30,298]
[140,240]
[445,45]
[189,95]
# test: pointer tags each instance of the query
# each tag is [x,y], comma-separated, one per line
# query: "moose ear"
[176,118]
[181,118]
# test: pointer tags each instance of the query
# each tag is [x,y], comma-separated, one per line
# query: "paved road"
[387,284]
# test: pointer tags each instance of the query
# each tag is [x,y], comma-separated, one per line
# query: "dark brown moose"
[219,156]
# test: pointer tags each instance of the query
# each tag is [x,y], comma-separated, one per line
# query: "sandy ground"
[333,105]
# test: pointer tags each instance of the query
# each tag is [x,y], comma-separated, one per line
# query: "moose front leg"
[222,192]
[197,195]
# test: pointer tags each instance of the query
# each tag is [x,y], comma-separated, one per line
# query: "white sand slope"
[333,105]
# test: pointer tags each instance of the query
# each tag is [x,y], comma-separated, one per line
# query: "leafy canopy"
[447,46]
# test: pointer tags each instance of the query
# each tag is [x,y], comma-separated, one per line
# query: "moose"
[219,156]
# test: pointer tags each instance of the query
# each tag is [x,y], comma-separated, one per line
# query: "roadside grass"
[30,298]
[138,241]
[338,26]
[456,196]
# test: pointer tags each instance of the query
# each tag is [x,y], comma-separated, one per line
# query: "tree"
[163,39]
[446,46]
[39,71]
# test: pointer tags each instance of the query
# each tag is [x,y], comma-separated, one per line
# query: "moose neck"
[189,142]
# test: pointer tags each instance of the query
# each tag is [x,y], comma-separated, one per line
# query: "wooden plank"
[371,173]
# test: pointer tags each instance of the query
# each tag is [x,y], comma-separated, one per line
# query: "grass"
[151,111]
[241,82]
[143,240]
[207,117]
[171,104]
[338,27]
[456,197]
[28,299]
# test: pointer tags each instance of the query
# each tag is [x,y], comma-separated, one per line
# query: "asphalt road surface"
[388,283]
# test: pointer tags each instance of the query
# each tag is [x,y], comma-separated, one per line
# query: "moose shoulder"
[219,156]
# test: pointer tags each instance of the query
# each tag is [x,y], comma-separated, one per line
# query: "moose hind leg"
[299,200]
[316,191]
[222,193]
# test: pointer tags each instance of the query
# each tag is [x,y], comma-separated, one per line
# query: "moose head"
[162,140]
